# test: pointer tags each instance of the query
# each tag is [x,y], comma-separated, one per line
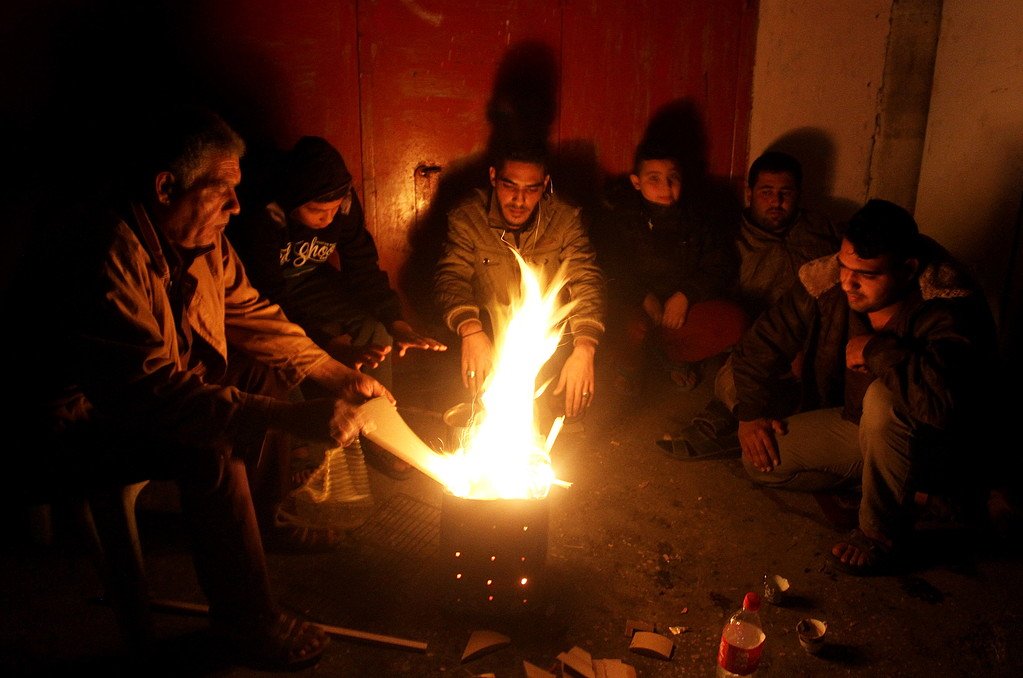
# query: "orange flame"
[503,455]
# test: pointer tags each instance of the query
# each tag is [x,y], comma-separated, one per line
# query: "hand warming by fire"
[502,455]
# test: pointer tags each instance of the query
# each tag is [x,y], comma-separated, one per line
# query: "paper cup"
[811,634]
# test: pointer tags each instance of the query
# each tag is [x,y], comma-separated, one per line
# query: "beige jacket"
[478,269]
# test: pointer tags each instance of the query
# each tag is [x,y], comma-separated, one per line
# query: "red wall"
[407,88]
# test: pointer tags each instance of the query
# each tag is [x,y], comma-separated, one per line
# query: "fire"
[503,455]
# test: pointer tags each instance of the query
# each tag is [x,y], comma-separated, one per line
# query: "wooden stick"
[416,645]
[200,610]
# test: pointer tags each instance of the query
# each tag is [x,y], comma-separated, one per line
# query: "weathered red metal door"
[435,74]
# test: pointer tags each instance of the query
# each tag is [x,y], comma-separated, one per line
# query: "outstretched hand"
[405,338]
[334,420]
[359,387]
[369,355]
[477,360]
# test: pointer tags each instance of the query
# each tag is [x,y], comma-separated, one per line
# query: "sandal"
[712,435]
[878,557]
[275,641]
[685,377]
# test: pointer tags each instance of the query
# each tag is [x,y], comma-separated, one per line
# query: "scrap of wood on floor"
[613,668]
[577,660]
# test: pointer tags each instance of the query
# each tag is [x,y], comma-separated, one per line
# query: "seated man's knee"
[724,385]
[878,414]
[367,330]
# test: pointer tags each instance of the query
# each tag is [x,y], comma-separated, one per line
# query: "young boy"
[670,268]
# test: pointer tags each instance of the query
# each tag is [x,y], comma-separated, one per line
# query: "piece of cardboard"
[613,668]
[633,625]
[652,645]
[578,661]
[483,642]
[534,671]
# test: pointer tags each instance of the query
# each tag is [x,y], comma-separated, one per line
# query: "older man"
[155,358]
[478,269]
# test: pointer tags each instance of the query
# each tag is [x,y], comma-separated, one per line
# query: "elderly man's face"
[773,201]
[518,187]
[197,215]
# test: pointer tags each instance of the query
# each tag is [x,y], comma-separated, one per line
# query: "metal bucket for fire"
[456,421]
[493,553]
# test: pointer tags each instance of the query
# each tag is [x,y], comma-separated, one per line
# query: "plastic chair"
[105,517]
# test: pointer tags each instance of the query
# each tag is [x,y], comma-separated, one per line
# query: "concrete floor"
[638,536]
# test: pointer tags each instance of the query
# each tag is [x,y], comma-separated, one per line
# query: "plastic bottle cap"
[751,602]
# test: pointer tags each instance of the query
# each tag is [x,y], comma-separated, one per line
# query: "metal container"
[493,553]
[456,421]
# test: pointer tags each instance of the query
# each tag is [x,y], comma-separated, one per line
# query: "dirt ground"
[638,536]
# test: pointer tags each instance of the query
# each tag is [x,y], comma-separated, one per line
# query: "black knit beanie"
[312,169]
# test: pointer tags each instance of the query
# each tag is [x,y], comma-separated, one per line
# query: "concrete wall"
[879,102]
[817,75]
[971,180]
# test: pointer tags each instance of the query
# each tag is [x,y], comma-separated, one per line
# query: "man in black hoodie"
[305,245]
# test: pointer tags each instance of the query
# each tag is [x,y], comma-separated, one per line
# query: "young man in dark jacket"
[900,350]
[306,246]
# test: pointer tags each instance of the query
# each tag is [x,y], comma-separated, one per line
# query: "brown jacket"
[121,358]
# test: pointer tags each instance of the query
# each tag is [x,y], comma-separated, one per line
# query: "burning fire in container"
[502,454]
[494,518]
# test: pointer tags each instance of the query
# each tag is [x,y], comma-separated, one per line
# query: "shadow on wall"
[815,150]
[678,128]
[521,110]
